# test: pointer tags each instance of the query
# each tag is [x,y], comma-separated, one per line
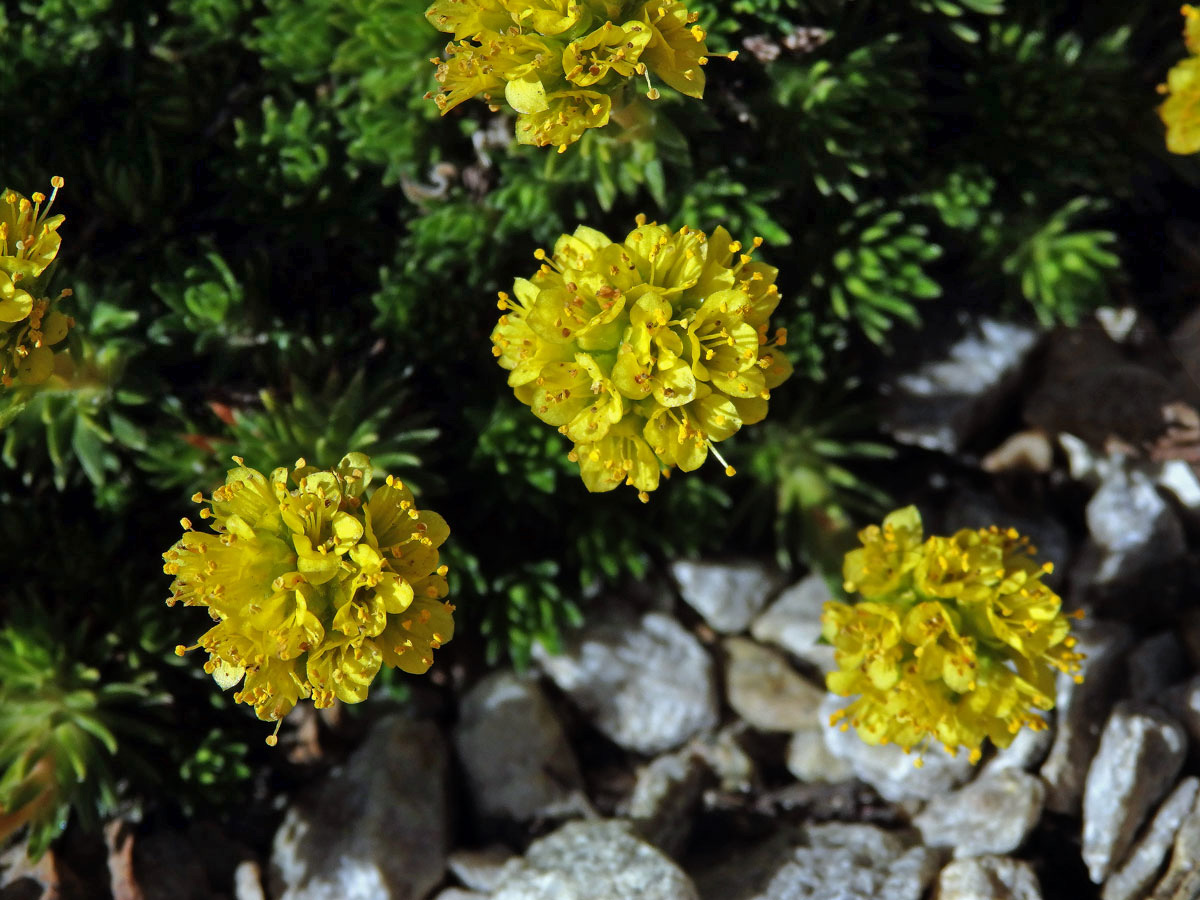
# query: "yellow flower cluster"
[956,638]
[1181,112]
[562,64]
[646,352]
[314,587]
[29,242]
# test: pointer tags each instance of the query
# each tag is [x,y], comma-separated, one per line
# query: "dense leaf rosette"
[644,353]
[29,325]
[313,587]
[560,64]
[956,638]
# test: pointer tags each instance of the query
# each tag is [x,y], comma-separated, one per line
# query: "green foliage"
[1064,274]
[60,721]
[81,421]
[279,249]
[1083,146]
[292,146]
[835,108]
[806,466]
[878,272]
[955,9]
[963,199]
[377,417]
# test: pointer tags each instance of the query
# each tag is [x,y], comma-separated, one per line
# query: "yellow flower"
[1191,28]
[1181,111]
[564,65]
[644,353]
[29,238]
[29,327]
[315,587]
[958,640]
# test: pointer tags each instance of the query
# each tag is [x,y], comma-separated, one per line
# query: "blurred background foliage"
[278,250]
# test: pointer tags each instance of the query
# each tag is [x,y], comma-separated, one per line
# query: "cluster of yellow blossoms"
[644,353]
[29,242]
[561,64]
[956,638]
[314,587]
[1181,112]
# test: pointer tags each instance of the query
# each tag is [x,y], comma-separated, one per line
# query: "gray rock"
[518,762]
[665,797]
[375,829]
[591,860]
[1156,663]
[810,760]
[247,881]
[1132,524]
[1081,711]
[988,878]
[1186,705]
[793,622]
[727,759]
[1026,752]
[645,683]
[889,769]
[943,404]
[1145,860]
[1182,880]
[480,870]
[457,893]
[1141,751]
[991,815]
[763,688]
[727,595]
[853,862]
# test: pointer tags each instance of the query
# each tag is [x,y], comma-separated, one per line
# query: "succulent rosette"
[563,65]
[955,640]
[314,586]
[644,353]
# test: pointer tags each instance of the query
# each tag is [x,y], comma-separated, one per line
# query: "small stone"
[988,878]
[590,860]
[810,760]
[645,683]
[247,881]
[1186,705]
[763,688]
[1155,664]
[1182,880]
[457,893]
[727,595]
[1141,751]
[480,870]
[1132,524]
[728,760]
[1146,859]
[517,760]
[1081,711]
[1026,752]
[665,796]
[890,770]
[991,815]
[374,830]
[853,862]
[48,878]
[793,622]
[945,403]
